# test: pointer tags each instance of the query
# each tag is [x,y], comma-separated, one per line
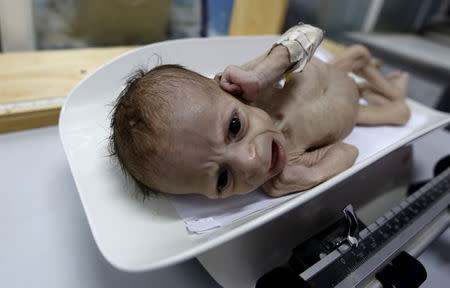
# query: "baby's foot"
[400,81]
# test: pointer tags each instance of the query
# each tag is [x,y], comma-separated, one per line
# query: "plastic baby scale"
[139,236]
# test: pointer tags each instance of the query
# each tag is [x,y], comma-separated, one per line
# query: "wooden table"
[34,85]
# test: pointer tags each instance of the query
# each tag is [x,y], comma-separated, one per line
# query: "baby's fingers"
[230,87]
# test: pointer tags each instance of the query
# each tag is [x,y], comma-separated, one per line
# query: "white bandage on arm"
[301,41]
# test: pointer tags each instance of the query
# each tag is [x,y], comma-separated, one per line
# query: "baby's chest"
[309,126]
[318,115]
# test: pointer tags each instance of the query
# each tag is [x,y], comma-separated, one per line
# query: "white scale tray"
[136,235]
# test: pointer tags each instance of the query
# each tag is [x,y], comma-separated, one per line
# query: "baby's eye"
[222,181]
[235,125]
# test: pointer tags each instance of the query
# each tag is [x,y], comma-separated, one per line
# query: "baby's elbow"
[353,151]
[401,115]
[350,154]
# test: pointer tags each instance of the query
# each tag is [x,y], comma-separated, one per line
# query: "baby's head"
[178,132]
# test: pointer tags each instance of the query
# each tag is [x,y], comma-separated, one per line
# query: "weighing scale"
[136,235]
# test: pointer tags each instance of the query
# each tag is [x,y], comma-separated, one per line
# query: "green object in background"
[81,23]
[122,22]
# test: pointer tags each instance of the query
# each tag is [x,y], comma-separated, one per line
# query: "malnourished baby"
[175,131]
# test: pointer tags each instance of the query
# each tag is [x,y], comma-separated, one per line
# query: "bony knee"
[360,50]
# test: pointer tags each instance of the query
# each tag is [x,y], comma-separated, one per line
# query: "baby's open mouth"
[278,160]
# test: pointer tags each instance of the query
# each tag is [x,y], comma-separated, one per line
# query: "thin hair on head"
[139,117]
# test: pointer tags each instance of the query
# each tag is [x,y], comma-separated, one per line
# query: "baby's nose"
[250,164]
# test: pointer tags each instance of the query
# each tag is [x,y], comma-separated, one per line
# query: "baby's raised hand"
[250,79]
[239,82]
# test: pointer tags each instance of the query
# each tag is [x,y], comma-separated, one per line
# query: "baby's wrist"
[273,66]
[301,41]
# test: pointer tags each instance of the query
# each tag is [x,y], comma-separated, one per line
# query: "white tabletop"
[45,239]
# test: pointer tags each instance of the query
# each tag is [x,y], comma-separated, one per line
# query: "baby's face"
[220,146]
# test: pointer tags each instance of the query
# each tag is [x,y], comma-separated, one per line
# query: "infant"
[175,131]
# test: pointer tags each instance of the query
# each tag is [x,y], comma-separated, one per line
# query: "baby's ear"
[238,96]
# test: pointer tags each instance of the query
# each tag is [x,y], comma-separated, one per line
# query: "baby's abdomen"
[342,96]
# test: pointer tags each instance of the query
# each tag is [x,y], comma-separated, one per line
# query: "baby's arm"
[312,168]
[290,53]
[251,78]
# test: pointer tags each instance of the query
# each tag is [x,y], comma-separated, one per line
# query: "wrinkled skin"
[316,109]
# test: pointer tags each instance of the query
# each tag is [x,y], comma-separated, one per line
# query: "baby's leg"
[352,59]
[385,95]
[357,59]
[381,111]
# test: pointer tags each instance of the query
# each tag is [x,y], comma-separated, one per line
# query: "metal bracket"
[352,225]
